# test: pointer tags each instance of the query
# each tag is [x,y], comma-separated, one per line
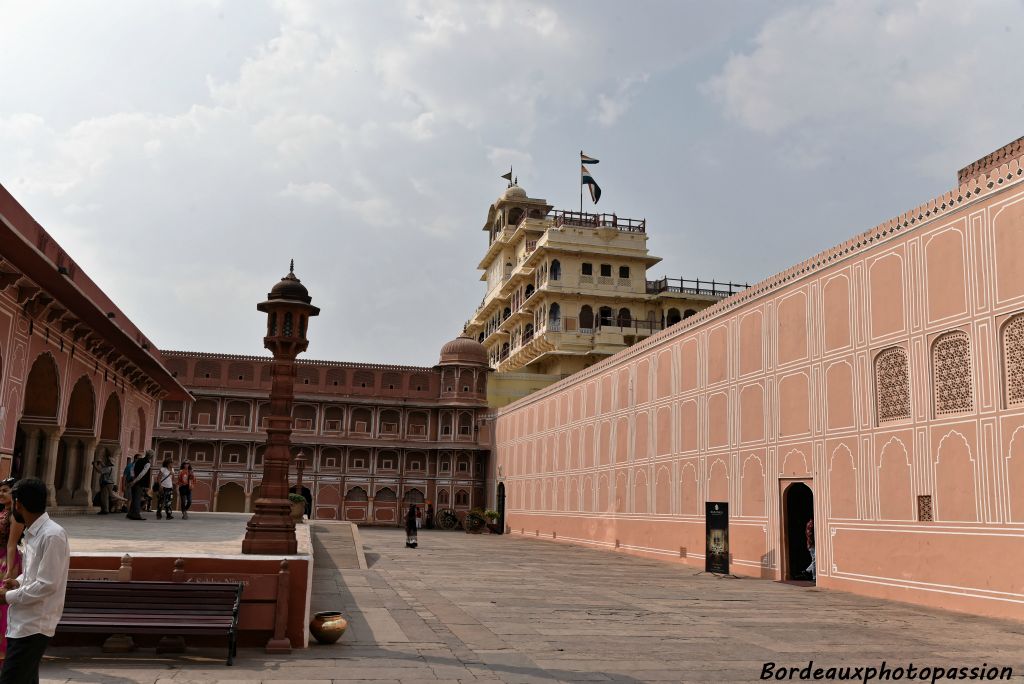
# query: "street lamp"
[288,308]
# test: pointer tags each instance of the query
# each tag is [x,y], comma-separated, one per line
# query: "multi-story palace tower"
[566,289]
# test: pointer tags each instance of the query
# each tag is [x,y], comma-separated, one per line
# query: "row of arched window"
[952,376]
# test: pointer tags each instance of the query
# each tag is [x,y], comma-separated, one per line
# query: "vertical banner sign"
[716,555]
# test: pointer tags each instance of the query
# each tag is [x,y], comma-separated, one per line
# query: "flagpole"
[581,182]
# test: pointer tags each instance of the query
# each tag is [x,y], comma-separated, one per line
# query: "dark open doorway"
[501,508]
[308,496]
[798,509]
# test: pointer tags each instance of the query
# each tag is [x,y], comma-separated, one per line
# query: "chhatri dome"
[463,350]
[290,287]
[514,192]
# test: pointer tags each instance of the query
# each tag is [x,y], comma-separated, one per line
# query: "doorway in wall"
[797,510]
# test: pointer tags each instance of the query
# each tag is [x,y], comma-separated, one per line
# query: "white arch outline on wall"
[803,457]
[711,472]
[657,478]
[764,484]
[937,501]
[856,487]
[1006,481]
[878,476]
[696,486]
[1003,367]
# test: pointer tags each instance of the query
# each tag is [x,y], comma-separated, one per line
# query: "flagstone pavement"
[494,609]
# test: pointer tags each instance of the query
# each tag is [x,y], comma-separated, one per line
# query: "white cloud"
[829,75]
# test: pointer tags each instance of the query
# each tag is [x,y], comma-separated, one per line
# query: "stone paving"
[491,609]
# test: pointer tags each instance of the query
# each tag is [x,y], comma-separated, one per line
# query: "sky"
[182,152]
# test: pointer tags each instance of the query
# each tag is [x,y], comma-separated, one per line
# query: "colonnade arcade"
[61,452]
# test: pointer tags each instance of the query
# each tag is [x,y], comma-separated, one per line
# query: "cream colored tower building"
[566,289]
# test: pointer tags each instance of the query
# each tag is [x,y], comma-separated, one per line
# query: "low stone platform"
[203,533]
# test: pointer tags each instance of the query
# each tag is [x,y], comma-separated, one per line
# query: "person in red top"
[186,481]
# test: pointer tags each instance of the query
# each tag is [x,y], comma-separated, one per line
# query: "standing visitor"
[186,481]
[811,572]
[419,518]
[106,471]
[410,527]
[10,559]
[163,502]
[127,475]
[35,599]
[139,484]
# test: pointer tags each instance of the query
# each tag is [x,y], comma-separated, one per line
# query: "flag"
[584,159]
[588,180]
[507,176]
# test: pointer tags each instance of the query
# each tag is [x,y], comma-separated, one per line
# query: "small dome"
[514,192]
[290,287]
[463,350]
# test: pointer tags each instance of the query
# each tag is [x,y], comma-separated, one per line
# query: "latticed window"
[892,385]
[1013,357]
[951,370]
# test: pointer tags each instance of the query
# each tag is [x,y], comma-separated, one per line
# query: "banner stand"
[716,546]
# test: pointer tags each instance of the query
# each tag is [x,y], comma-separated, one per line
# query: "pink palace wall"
[886,369]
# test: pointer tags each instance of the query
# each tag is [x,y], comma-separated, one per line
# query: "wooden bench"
[164,608]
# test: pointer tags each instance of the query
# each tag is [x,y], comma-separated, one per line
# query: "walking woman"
[410,527]
[166,484]
[186,481]
[10,559]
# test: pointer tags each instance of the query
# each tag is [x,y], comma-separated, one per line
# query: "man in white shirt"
[36,597]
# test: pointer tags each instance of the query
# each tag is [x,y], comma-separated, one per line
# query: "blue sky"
[183,151]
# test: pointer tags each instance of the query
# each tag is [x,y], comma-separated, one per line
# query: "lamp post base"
[271,530]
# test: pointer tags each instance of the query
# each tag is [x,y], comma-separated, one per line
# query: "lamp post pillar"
[271,529]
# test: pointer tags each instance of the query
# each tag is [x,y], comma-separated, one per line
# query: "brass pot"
[327,626]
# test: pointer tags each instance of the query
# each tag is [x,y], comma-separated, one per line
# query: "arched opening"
[230,498]
[81,407]
[34,437]
[673,317]
[307,495]
[385,506]
[555,317]
[605,315]
[356,503]
[501,508]
[689,312]
[42,390]
[110,429]
[556,270]
[529,291]
[586,318]
[624,319]
[798,510]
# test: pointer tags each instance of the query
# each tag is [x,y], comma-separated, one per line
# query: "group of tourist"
[34,562]
[139,478]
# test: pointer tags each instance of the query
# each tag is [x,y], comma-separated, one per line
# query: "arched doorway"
[38,424]
[230,498]
[798,509]
[501,508]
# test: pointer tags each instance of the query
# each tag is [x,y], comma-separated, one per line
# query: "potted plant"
[298,503]
[474,521]
[492,518]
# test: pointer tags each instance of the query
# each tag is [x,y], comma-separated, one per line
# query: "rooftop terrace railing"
[587,220]
[695,286]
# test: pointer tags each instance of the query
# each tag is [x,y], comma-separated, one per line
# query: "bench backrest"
[152,598]
[122,574]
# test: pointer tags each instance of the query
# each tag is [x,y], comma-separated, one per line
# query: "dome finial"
[291,267]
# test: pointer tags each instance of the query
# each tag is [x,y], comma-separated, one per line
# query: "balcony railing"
[696,286]
[586,220]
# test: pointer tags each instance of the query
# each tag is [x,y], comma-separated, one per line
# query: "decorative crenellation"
[1013,359]
[892,385]
[951,369]
[298,362]
[1003,155]
[967,192]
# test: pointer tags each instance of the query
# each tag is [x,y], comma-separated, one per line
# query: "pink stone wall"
[887,374]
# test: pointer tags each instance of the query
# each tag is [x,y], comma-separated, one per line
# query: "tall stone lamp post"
[288,309]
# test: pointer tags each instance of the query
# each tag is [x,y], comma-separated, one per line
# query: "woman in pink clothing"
[10,558]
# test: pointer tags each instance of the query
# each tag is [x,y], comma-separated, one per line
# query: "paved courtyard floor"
[482,608]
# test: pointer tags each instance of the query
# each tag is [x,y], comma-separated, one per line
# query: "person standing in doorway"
[811,572]
[166,482]
[106,471]
[139,484]
[35,599]
[186,481]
